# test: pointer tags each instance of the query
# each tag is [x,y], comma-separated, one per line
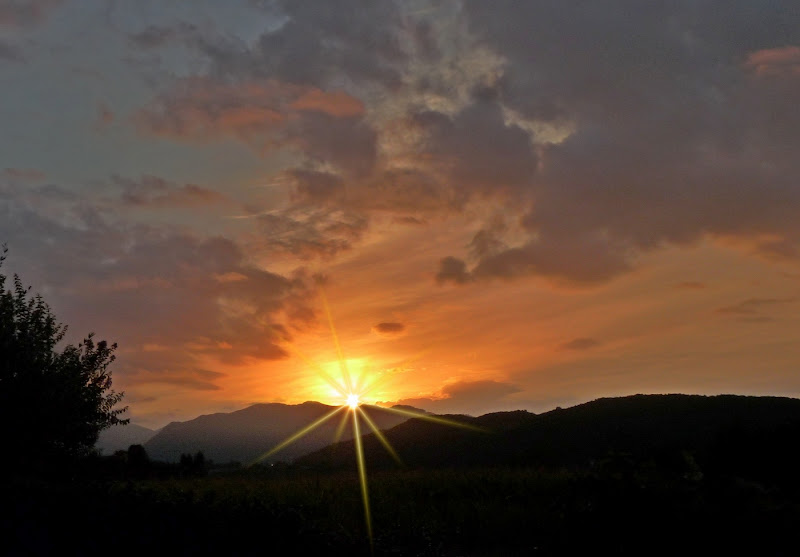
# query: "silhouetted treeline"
[135,464]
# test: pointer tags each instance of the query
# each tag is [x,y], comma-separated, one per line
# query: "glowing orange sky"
[508,205]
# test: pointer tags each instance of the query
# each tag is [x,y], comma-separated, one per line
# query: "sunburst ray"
[342,362]
[432,418]
[362,476]
[340,428]
[353,400]
[379,434]
[314,365]
[305,431]
[386,374]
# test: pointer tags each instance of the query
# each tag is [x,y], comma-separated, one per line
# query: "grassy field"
[513,511]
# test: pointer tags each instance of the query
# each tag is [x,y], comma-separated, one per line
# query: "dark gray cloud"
[323,41]
[682,126]
[389,329]
[315,187]
[9,52]
[155,36]
[580,343]
[164,295]
[313,233]
[397,190]
[327,126]
[571,260]
[604,131]
[453,270]
[488,241]
[289,89]
[348,143]
[481,153]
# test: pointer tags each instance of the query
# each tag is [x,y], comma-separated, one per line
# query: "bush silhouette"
[53,404]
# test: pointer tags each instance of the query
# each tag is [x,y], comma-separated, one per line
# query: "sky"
[506,205]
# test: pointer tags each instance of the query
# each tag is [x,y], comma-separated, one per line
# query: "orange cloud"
[205,108]
[23,14]
[191,379]
[690,285]
[775,61]
[230,276]
[241,117]
[337,103]
[24,174]
[105,116]
[266,114]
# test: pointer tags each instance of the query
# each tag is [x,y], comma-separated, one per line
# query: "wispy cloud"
[754,309]
[154,192]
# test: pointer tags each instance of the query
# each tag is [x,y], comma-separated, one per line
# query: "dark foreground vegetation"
[621,507]
[644,475]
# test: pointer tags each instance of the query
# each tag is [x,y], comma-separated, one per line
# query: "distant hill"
[120,437]
[246,434]
[718,433]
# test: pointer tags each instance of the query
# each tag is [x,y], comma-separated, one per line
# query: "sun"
[352,401]
[353,391]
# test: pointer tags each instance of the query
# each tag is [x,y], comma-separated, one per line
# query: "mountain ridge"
[248,433]
[120,437]
[717,431]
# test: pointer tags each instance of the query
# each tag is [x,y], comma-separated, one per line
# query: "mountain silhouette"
[120,437]
[726,434]
[246,434]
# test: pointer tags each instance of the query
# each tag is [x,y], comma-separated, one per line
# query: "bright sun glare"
[352,391]
[352,401]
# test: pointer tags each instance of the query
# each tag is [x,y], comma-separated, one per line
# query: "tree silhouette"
[138,462]
[193,466]
[53,404]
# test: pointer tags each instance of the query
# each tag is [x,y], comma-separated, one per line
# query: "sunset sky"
[506,204]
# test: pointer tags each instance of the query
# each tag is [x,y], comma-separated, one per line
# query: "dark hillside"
[722,434]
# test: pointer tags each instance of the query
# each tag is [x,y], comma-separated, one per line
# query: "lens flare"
[353,400]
